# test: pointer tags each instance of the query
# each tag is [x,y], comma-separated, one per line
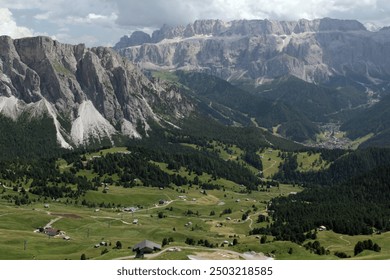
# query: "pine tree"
[358,248]
[164,242]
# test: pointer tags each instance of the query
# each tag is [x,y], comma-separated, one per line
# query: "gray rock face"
[96,92]
[315,51]
[136,38]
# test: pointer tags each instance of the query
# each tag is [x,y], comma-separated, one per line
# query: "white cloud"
[43,16]
[92,18]
[9,27]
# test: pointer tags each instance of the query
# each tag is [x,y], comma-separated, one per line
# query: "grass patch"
[166,76]
[104,152]
[271,160]
[310,162]
[356,143]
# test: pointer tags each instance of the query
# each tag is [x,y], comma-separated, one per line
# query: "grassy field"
[356,143]
[187,212]
[310,162]
[165,75]
[89,226]
[63,165]
[271,161]
[226,152]
[104,152]
[346,243]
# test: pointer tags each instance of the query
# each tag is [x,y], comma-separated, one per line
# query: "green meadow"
[87,227]
[185,214]
[220,216]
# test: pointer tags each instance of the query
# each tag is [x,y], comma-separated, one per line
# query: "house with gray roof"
[146,247]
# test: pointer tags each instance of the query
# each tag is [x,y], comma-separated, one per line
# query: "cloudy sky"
[103,22]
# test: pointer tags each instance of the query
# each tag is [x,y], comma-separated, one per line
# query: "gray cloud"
[153,13]
[104,21]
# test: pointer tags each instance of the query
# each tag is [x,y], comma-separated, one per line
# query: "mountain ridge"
[240,27]
[317,51]
[95,91]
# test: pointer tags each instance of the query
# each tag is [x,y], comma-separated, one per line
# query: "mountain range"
[285,78]
[345,63]
[317,51]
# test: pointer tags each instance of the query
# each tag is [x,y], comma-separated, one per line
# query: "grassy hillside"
[227,103]
[97,215]
[375,120]
[199,203]
[316,102]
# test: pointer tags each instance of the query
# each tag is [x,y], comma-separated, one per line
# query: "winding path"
[336,246]
[272,165]
[53,221]
[342,238]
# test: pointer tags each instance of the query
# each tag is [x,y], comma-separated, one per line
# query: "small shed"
[130,209]
[322,228]
[51,231]
[146,247]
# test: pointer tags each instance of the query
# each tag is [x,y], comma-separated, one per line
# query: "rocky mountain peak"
[94,91]
[329,24]
[136,38]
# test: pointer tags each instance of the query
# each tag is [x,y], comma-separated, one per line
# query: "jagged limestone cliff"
[315,51]
[91,94]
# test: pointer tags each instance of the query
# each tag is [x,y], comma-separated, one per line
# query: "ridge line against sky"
[103,22]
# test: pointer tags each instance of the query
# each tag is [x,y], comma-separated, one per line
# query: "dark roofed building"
[146,247]
[51,231]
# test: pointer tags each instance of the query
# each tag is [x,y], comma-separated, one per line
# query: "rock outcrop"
[137,38]
[91,94]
